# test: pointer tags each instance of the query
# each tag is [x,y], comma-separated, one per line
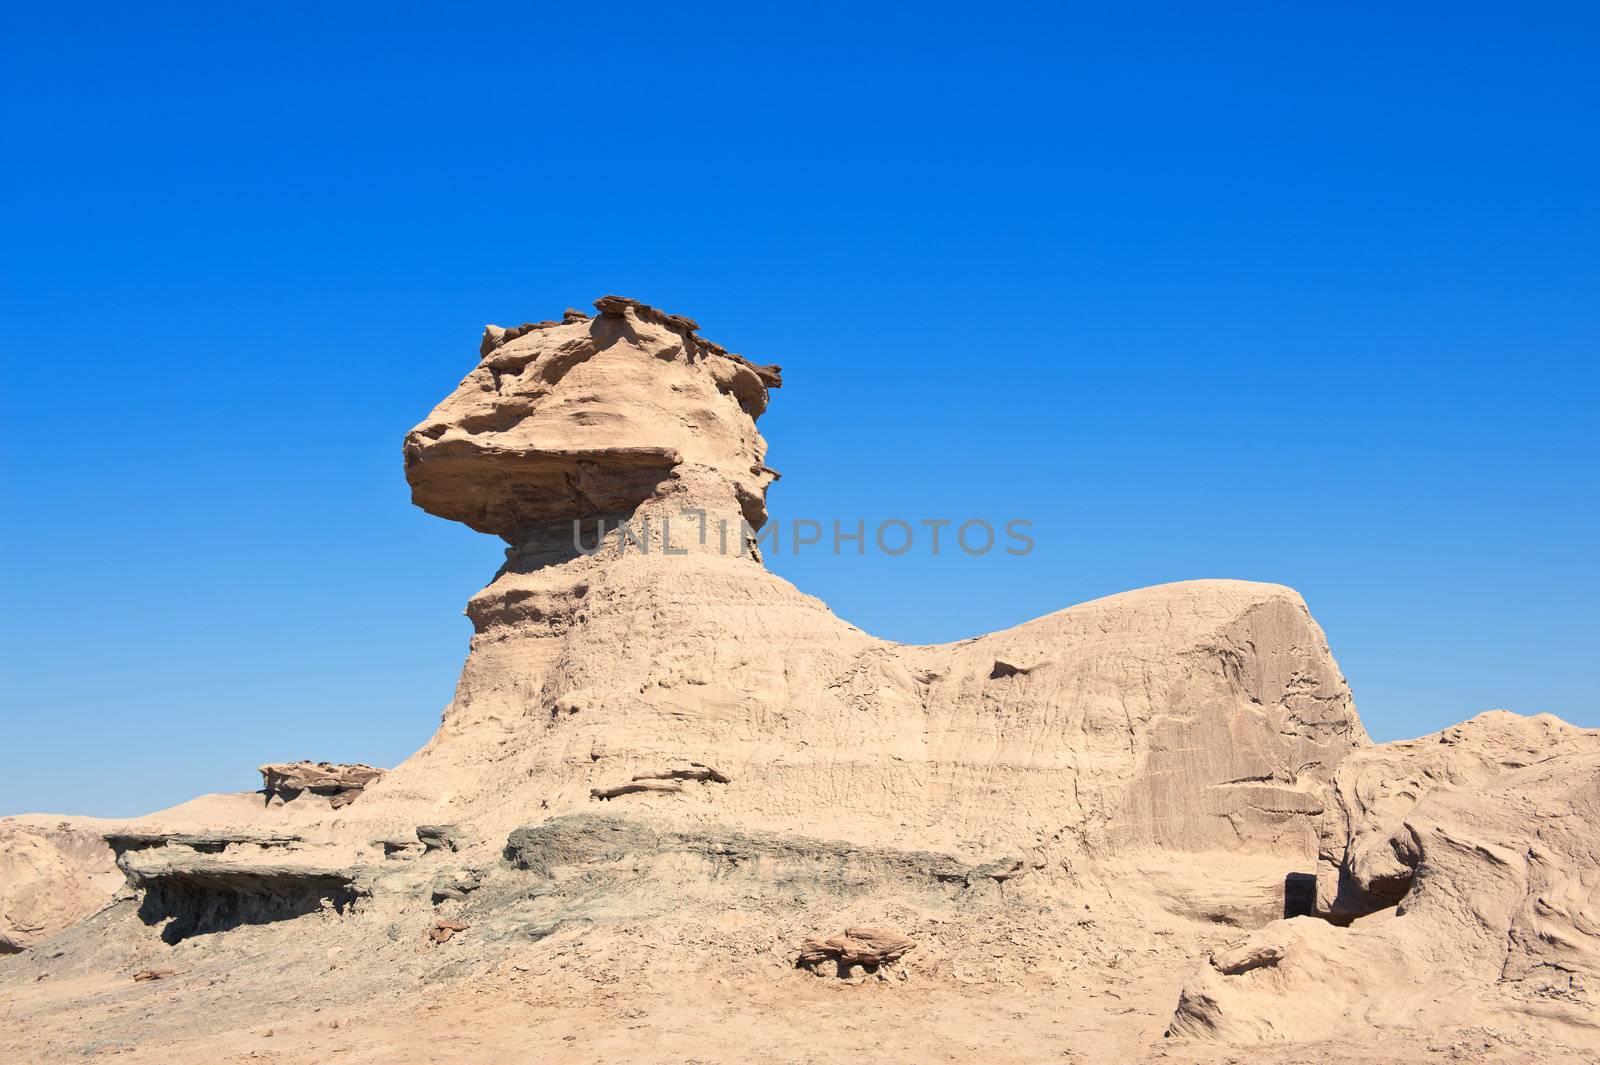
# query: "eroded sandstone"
[1467,867]
[674,762]
[340,784]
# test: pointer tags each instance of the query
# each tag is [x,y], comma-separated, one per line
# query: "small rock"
[443,929]
[869,945]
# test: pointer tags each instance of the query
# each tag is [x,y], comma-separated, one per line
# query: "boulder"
[869,945]
[443,929]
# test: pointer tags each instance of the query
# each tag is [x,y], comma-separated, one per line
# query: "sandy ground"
[711,989]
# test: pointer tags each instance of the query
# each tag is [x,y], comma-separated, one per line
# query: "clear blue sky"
[1308,296]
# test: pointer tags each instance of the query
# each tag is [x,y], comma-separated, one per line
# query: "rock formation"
[41,891]
[866,946]
[668,776]
[586,419]
[340,784]
[1467,867]
[1191,716]
[53,872]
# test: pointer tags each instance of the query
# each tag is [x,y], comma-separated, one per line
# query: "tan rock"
[1468,862]
[663,766]
[870,945]
[1202,715]
[53,871]
[340,784]
[588,418]
[42,890]
[444,928]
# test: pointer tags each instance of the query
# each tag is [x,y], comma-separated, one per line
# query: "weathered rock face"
[209,882]
[1470,861]
[53,872]
[1188,716]
[341,785]
[41,891]
[1369,858]
[589,418]
[694,684]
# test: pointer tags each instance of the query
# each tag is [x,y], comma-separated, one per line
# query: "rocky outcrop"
[1192,716]
[1369,855]
[1465,865]
[439,838]
[444,928]
[593,841]
[42,891]
[340,784]
[664,670]
[694,767]
[195,883]
[53,872]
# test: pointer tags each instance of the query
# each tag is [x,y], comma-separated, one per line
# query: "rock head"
[589,418]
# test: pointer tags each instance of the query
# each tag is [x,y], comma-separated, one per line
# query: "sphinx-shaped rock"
[1197,716]
[1469,863]
[658,748]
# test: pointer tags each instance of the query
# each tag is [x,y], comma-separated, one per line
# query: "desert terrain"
[678,811]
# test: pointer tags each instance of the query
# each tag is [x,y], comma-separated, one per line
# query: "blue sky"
[1308,296]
